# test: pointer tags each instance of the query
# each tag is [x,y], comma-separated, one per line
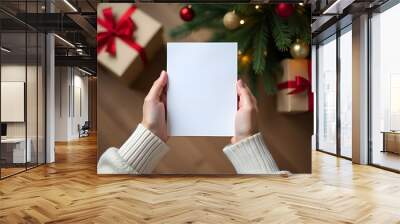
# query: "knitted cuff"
[251,156]
[143,150]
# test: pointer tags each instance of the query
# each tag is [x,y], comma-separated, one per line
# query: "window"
[385,89]
[335,74]
[346,95]
[22,78]
[394,102]
[326,100]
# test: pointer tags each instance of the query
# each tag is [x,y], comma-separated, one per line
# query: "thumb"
[243,93]
[158,87]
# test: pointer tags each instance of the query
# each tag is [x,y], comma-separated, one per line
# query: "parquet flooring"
[11,170]
[69,191]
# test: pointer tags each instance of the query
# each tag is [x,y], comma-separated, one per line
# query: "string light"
[242,22]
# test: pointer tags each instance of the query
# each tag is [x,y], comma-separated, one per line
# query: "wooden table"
[391,141]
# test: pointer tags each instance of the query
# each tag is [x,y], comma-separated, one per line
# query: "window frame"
[347,27]
[31,30]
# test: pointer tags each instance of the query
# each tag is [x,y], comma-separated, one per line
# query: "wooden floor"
[11,170]
[8,171]
[69,191]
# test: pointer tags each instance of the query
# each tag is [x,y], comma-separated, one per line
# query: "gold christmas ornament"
[231,20]
[245,60]
[299,49]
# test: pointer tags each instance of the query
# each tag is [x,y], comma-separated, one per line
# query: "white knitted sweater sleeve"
[140,154]
[143,150]
[251,156]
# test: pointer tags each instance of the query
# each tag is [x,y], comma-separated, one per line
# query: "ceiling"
[75,21]
[72,20]
[330,15]
[39,6]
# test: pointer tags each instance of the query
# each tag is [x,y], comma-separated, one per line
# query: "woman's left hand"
[154,108]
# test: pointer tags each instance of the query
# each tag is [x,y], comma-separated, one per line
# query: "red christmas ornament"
[284,10]
[186,13]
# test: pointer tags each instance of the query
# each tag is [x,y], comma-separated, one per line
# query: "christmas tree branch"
[260,47]
[263,36]
[281,33]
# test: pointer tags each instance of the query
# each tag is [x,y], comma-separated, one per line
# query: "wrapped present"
[294,87]
[127,38]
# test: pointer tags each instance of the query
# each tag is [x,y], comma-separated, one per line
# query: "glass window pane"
[15,150]
[22,83]
[327,96]
[31,97]
[41,98]
[385,87]
[346,94]
[32,85]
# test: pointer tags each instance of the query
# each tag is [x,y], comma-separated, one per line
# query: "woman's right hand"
[154,110]
[246,115]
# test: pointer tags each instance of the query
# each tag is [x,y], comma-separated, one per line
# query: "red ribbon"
[123,29]
[299,85]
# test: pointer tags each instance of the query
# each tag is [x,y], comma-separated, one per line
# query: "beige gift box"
[293,103]
[127,63]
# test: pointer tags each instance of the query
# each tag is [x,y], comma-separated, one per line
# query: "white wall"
[71,93]
[13,101]
[10,73]
[16,73]
[61,103]
[80,102]
[33,126]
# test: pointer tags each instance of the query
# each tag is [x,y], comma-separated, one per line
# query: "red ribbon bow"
[123,29]
[300,84]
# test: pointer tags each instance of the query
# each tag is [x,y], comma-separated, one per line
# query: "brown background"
[288,137]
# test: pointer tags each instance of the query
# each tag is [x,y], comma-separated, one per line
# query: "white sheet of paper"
[201,95]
